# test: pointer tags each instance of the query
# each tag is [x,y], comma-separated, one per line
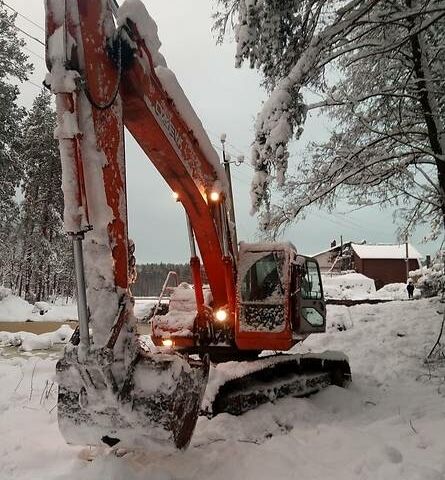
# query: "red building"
[383,263]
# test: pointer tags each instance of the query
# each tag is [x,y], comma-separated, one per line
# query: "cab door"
[308,303]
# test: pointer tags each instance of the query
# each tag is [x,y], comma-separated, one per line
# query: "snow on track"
[388,425]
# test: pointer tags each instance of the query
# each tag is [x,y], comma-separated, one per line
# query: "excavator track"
[279,376]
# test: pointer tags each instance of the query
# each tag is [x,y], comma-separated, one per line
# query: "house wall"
[384,271]
[326,259]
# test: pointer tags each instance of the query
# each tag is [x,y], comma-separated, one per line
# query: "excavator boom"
[110,389]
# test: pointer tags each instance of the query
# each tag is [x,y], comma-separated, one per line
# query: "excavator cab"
[280,297]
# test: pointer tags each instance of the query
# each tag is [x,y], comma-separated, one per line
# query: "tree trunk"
[428,105]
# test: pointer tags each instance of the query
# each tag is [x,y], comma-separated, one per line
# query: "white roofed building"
[385,263]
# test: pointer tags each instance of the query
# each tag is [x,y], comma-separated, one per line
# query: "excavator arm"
[121,81]
[106,73]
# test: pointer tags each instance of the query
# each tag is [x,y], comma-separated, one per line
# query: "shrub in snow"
[431,280]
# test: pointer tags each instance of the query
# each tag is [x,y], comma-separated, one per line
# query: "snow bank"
[394,291]
[4,292]
[430,281]
[350,286]
[27,341]
[15,309]
[355,286]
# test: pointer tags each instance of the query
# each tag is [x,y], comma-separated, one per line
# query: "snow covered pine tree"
[13,69]
[46,261]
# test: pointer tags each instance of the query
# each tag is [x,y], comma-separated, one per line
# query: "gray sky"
[226,100]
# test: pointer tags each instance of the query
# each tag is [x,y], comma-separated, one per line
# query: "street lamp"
[226,162]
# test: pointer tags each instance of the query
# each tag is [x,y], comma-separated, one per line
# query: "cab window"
[263,280]
[311,281]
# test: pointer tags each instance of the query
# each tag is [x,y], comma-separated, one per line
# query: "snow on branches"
[377,66]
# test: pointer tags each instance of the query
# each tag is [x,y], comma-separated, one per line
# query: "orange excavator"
[106,72]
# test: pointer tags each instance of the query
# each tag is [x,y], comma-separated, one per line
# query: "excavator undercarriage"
[106,72]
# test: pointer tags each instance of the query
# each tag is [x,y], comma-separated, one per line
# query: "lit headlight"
[167,342]
[221,315]
[214,196]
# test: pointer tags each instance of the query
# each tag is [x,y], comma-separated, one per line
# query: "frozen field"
[388,425]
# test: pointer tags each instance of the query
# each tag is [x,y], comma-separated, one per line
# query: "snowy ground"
[388,425]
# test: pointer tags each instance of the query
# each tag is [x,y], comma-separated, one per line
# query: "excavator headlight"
[175,196]
[167,342]
[221,315]
[214,196]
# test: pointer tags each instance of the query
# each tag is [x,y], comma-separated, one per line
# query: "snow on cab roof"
[266,246]
[385,251]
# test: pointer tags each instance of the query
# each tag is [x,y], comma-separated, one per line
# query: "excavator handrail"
[164,288]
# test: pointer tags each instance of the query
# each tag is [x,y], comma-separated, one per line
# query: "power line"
[35,84]
[23,16]
[347,220]
[34,53]
[24,32]
[336,221]
[30,36]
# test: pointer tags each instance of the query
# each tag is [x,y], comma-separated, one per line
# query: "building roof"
[388,251]
[332,249]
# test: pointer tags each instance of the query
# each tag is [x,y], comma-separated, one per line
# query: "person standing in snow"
[410,288]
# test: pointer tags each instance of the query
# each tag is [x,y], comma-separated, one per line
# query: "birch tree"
[377,68]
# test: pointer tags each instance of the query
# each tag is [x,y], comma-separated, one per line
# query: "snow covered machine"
[106,72]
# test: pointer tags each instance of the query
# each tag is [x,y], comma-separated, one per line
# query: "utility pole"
[226,163]
[407,258]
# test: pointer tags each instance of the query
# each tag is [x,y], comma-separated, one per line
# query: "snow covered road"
[388,425]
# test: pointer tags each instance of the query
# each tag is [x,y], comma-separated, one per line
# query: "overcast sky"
[226,100]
